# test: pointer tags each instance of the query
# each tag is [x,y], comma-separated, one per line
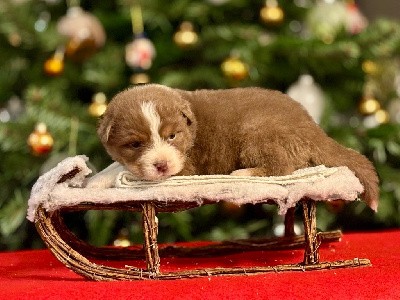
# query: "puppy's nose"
[161,166]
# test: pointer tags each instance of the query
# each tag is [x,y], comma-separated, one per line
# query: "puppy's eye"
[171,137]
[135,145]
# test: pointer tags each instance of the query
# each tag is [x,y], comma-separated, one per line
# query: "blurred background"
[61,62]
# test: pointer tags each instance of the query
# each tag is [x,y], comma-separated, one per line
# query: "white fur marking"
[161,150]
[153,118]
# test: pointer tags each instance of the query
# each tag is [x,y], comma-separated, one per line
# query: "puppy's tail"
[332,154]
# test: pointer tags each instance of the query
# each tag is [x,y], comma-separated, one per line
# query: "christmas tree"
[60,62]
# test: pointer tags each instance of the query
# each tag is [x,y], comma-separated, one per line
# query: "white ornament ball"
[309,94]
[140,53]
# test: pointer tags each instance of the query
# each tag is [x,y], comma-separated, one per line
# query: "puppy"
[157,132]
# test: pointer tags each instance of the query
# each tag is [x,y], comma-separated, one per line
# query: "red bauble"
[40,140]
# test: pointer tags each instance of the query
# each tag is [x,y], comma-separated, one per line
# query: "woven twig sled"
[69,176]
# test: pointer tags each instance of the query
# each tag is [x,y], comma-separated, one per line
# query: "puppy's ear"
[188,120]
[104,128]
[186,111]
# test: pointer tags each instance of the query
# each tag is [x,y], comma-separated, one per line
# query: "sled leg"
[289,223]
[150,229]
[312,239]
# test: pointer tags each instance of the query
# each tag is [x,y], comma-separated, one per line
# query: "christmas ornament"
[370,67]
[382,116]
[272,13]
[140,78]
[309,94]
[139,54]
[234,68]
[394,111]
[326,19]
[186,37]
[54,66]
[369,105]
[40,140]
[122,239]
[355,20]
[84,32]
[98,105]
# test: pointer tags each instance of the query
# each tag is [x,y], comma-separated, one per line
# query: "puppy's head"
[149,130]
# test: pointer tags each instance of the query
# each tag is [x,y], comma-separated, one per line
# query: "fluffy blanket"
[115,184]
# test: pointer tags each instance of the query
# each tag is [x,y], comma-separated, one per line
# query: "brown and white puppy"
[157,132]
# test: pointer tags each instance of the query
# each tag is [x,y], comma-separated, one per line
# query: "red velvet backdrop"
[38,275]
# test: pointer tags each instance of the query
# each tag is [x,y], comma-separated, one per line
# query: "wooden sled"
[76,254]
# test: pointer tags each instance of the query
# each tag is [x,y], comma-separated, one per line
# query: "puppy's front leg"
[250,172]
[262,172]
[105,178]
[244,172]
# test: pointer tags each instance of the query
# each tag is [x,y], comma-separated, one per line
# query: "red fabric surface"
[39,275]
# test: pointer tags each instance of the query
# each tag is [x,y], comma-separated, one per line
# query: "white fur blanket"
[318,183]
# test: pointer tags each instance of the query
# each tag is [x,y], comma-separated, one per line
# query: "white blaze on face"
[161,160]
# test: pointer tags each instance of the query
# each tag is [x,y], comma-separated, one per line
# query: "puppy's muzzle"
[161,167]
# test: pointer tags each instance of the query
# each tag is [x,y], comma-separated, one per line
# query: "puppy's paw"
[106,178]
[100,182]
[243,172]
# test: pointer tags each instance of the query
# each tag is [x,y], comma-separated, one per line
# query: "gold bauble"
[369,105]
[382,116]
[122,239]
[234,68]
[40,140]
[54,66]
[98,105]
[369,67]
[140,78]
[271,13]
[186,37]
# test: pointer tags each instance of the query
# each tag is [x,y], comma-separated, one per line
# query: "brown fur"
[261,130]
